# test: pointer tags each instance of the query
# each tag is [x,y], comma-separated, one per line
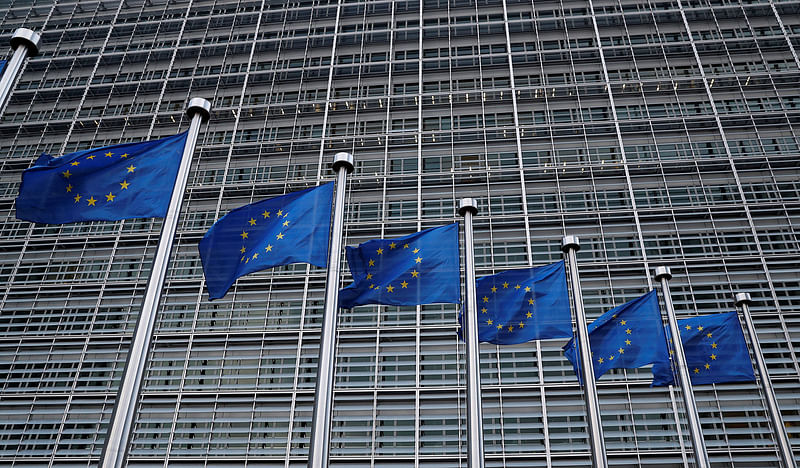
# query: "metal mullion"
[621,143]
[326,112]
[742,196]
[785,33]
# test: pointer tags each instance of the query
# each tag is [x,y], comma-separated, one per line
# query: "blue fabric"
[516,306]
[293,228]
[715,351]
[132,180]
[2,66]
[422,268]
[625,337]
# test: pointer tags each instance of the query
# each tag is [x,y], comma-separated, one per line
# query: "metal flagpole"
[122,419]
[468,207]
[320,435]
[25,43]
[698,443]
[570,246]
[785,448]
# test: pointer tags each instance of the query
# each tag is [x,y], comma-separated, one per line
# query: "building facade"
[662,132]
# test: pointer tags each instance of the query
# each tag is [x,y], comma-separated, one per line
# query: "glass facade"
[659,131]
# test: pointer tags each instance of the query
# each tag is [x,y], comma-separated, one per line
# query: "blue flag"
[292,228]
[516,306]
[132,180]
[422,268]
[2,67]
[715,351]
[625,337]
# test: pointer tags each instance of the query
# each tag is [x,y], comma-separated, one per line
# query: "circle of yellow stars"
[621,349]
[712,357]
[91,200]
[266,216]
[484,301]
[390,288]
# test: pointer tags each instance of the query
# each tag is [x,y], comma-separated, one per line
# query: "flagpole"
[123,418]
[468,207]
[785,448]
[570,246]
[320,435]
[663,274]
[25,43]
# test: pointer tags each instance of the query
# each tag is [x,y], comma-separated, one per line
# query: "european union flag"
[422,268]
[132,180]
[292,228]
[715,351]
[516,306]
[625,337]
[2,66]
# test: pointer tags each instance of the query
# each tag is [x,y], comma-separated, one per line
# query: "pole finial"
[467,204]
[662,272]
[743,298]
[570,242]
[199,106]
[26,37]
[343,159]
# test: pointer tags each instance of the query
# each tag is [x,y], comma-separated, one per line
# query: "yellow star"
[628,342]
[500,327]
[708,335]
[505,285]
[392,245]
[110,197]
[373,286]
[414,274]
[90,157]
[66,174]
[611,358]
[699,328]
[494,289]
[369,275]
[415,250]
[91,201]
[622,322]
[628,331]
[255,255]
[696,370]
[485,299]
[279,236]
[517,287]
[380,251]
[614,316]
[404,284]
[242,250]
[131,168]
[390,288]
[109,154]
[489,322]
[418,259]
[265,214]
[372,262]
[77,198]
[511,328]
[74,163]
[405,246]
[521,325]
[708,366]
[600,360]
[244,235]
[69,188]
[123,156]
[714,345]
[484,310]
[280,212]
[252,221]
[242,259]
[688,327]
[285,223]
[247,260]
[529,315]
[527,289]
[124,184]
[713,357]
[530,301]
[621,351]
[269,248]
